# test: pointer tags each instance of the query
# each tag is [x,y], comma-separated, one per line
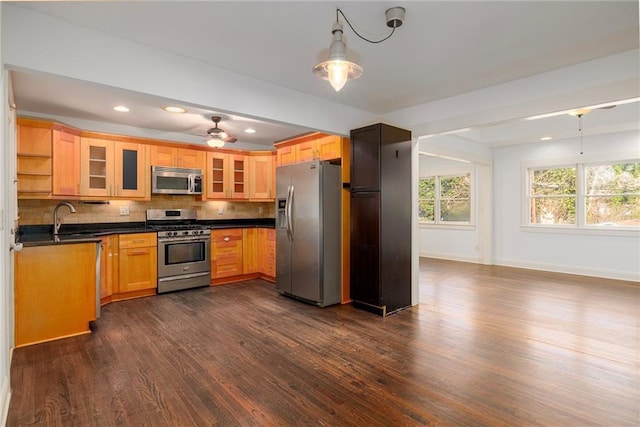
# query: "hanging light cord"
[357,34]
[580,130]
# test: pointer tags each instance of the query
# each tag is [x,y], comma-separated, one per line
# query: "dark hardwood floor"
[486,346]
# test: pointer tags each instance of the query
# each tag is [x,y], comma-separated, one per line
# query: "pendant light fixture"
[337,69]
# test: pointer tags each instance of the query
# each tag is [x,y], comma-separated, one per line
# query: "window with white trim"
[445,199]
[585,195]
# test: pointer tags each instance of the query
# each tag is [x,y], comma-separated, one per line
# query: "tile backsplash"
[40,212]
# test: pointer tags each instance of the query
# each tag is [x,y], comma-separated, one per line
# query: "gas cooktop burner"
[171,227]
[174,223]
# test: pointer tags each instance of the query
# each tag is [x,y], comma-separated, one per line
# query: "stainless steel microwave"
[168,180]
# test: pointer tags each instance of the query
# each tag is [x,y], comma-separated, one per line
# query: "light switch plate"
[124,210]
[220,210]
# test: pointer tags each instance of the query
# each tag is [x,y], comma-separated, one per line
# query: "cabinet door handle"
[144,252]
[138,241]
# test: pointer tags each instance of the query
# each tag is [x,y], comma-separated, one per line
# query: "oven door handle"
[183,240]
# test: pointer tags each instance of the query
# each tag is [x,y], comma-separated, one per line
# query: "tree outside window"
[607,194]
[444,199]
[553,195]
[612,194]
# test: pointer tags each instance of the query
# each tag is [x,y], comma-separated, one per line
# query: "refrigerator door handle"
[286,212]
[290,212]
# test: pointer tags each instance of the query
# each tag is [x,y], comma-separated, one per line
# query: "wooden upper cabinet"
[48,160]
[238,176]
[114,169]
[165,155]
[34,159]
[96,167]
[310,147]
[66,163]
[285,155]
[306,151]
[132,171]
[261,173]
[162,155]
[329,147]
[227,176]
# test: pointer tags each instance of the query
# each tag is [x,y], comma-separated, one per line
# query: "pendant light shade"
[337,69]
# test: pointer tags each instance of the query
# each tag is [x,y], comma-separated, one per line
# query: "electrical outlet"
[220,210]
[260,210]
[124,210]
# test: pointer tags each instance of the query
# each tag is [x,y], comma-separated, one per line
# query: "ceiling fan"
[218,136]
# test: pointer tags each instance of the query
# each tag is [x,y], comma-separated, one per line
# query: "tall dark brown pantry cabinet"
[381,218]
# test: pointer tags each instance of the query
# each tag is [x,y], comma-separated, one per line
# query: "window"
[445,199]
[553,195]
[612,194]
[585,195]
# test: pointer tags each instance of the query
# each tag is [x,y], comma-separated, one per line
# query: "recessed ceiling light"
[545,138]
[173,109]
[121,109]
[250,130]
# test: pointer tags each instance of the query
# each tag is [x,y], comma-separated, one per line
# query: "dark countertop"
[40,235]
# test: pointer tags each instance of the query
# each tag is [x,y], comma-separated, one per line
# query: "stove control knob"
[175,233]
[185,233]
[201,232]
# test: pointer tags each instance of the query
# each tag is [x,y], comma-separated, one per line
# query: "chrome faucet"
[56,220]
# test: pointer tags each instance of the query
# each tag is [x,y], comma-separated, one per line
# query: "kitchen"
[160,198]
[334,121]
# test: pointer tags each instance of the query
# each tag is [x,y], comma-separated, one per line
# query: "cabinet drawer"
[137,240]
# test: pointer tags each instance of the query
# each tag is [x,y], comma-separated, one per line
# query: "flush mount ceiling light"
[250,130]
[121,109]
[337,69]
[174,109]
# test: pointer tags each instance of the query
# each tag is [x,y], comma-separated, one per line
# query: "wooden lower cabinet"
[226,254]
[250,251]
[267,252]
[242,254]
[138,265]
[55,292]
[109,268]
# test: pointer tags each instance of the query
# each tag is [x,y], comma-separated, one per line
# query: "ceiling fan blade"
[230,139]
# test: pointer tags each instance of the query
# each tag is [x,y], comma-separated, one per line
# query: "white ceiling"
[443,49]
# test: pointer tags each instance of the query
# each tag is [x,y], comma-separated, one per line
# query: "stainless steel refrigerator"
[308,232]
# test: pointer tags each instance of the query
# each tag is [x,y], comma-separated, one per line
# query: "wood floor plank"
[487,346]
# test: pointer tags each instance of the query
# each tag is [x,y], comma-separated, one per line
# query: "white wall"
[455,242]
[602,255]
[459,243]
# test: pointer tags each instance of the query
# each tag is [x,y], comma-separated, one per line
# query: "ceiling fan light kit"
[218,136]
[337,69]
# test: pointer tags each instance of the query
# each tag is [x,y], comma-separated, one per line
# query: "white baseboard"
[451,257]
[5,398]
[571,269]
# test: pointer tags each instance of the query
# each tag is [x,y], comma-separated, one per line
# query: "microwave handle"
[192,183]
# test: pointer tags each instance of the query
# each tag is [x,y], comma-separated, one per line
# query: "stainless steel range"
[184,259]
